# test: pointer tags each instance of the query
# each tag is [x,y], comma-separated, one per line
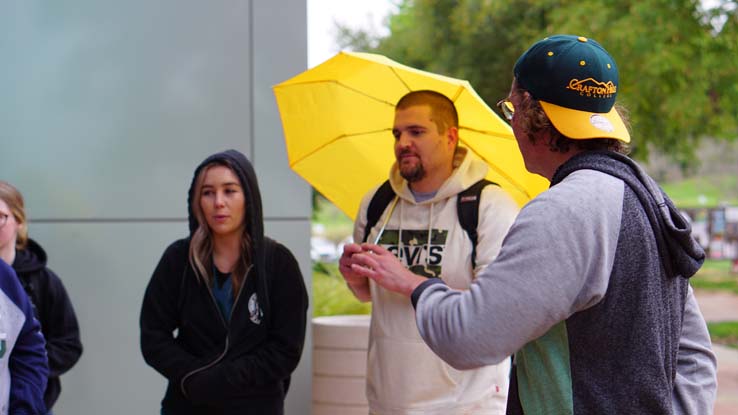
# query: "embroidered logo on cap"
[592,88]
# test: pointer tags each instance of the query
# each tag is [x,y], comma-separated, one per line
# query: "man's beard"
[412,173]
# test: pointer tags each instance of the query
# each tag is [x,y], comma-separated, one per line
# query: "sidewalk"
[719,306]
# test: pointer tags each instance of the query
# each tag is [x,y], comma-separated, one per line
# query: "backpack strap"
[382,197]
[467,208]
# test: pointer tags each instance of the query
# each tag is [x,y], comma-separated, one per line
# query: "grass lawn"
[724,332]
[716,275]
[703,191]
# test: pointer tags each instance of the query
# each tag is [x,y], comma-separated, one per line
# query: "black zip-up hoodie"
[214,366]
[54,311]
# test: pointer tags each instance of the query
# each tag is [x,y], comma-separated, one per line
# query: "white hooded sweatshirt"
[403,375]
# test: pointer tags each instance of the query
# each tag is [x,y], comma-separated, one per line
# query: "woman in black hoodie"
[224,315]
[51,304]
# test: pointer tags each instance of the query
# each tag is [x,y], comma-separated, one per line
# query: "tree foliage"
[677,61]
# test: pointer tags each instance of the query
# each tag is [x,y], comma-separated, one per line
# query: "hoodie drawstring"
[399,236]
[428,242]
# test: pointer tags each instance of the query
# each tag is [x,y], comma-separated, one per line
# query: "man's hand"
[385,269]
[357,283]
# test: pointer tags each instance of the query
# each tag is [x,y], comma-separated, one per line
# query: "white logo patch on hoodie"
[255,313]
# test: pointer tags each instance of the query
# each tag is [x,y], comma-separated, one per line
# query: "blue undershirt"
[423,196]
[223,293]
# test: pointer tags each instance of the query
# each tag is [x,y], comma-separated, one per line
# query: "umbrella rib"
[400,78]
[326,144]
[489,133]
[341,84]
[364,94]
[458,93]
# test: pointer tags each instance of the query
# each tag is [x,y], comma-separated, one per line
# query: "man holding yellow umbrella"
[337,120]
[421,224]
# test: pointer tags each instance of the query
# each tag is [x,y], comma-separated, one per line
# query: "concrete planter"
[339,365]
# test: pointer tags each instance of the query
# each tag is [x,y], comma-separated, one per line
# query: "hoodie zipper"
[228,333]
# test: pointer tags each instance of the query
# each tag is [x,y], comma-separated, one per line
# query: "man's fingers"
[362,271]
[350,249]
[369,259]
[377,249]
[364,262]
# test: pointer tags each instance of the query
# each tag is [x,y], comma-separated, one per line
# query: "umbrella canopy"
[337,119]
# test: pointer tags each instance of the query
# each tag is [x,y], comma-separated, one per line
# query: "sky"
[322,15]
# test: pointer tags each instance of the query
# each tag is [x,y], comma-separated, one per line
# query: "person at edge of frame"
[24,367]
[51,304]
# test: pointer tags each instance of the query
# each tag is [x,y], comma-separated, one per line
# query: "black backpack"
[467,207]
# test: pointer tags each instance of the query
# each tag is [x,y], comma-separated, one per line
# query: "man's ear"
[452,134]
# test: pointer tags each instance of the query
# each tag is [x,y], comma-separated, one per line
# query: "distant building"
[716,229]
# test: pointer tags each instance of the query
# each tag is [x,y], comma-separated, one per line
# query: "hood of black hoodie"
[253,213]
[31,259]
[681,253]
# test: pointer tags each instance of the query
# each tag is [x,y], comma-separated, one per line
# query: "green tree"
[677,61]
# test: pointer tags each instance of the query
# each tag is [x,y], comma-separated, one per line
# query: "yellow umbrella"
[337,119]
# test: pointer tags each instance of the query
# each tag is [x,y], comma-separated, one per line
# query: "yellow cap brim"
[583,125]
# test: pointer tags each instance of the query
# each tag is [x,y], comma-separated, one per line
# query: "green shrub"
[331,296]
[335,225]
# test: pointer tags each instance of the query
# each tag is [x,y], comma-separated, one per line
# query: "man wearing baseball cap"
[591,286]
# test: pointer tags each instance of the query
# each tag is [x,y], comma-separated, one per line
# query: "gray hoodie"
[591,293]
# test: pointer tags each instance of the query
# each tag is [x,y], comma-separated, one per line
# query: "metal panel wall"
[106,108]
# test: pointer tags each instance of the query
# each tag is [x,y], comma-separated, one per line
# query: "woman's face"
[222,201]
[8,230]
